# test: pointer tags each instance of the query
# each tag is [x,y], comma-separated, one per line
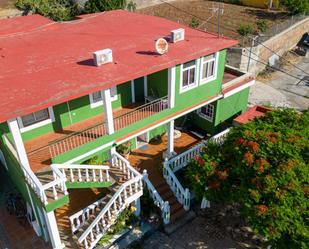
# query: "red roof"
[44,63]
[253,112]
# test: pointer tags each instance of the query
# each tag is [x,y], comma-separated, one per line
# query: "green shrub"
[262,25]
[92,6]
[245,29]
[131,6]
[263,166]
[194,23]
[57,10]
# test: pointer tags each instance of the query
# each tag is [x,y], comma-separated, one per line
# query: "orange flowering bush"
[263,165]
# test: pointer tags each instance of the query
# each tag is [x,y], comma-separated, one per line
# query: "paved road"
[283,90]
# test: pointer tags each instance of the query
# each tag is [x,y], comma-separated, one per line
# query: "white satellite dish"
[161,46]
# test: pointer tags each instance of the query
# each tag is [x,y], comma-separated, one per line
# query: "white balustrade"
[127,193]
[79,219]
[158,201]
[84,173]
[181,161]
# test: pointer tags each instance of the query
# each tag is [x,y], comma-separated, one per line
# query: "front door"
[139,89]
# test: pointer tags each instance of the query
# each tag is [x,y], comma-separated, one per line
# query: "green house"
[78,96]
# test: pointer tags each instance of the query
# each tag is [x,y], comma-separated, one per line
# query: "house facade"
[59,111]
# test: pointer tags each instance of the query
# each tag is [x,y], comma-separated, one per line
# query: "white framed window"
[2,160]
[36,119]
[97,100]
[188,76]
[207,112]
[208,68]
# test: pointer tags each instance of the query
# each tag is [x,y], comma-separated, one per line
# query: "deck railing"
[181,161]
[158,201]
[80,218]
[128,192]
[92,133]
[84,173]
[50,190]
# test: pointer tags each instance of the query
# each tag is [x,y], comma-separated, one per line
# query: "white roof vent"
[177,35]
[103,57]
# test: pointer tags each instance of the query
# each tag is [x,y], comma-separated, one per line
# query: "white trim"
[53,230]
[238,89]
[89,153]
[205,81]
[18,143]
[168,120]
[202,115]
[39,124]
[171,86]
[145,86]
[108,110]
[133,91]
[94,104]
[190,87]
[2,160]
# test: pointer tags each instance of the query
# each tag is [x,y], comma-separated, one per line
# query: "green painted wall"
[225,111]
[158,84]
[17,177]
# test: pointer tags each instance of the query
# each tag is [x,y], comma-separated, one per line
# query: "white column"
[133,91]
[138,207]
[108,110]
[145,86]
[53,230]
[171,87]
[170,137]
[18,142]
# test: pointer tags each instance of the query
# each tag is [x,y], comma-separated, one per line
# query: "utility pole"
[250,52]
[270,4]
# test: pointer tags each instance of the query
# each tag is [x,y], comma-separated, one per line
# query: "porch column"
[170,136]
[171,87]
[108,110]
[18,143]
[53,230]
[138,207]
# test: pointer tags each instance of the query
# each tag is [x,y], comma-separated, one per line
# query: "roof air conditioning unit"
[103,57]
[177,35]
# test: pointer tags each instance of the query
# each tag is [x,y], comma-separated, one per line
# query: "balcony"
[40,150]
[233,77]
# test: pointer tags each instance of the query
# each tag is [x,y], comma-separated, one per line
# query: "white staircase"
[92,223]
[182,160]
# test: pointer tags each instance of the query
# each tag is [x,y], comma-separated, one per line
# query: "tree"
[296,6]
[57,10]
[92,6]
[263,166]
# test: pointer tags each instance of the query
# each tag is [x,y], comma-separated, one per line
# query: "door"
[139,89]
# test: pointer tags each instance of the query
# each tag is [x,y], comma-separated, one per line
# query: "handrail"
[80,217]
[158,201]
[81,166]
[10,146]
[107,207]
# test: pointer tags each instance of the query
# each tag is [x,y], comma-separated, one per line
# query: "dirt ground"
[233,15]
[4,4]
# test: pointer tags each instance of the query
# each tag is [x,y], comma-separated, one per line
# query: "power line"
[207,21]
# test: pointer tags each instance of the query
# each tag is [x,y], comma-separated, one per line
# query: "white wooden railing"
[53,187]
[78,219]
[92,133]
[180,161]
[157,199]
[141,112]
[182,195]
[128,192]
[84,173]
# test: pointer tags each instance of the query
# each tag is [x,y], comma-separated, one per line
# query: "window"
[96,98]
[208,68]
[35,117]
[207,112]
[188,75]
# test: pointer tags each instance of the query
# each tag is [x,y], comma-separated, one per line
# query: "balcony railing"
[92,133]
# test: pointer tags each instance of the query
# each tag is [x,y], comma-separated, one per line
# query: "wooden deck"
[151,157]
[38,150]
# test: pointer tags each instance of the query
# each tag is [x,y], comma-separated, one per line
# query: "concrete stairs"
[166,193]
